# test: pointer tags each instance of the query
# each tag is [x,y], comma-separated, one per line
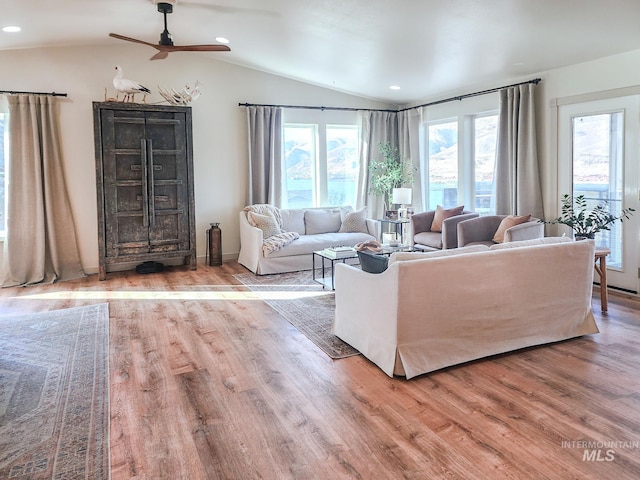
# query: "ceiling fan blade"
[161,55]
[134,40]
[197,48]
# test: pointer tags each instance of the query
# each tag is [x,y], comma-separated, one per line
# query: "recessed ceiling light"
[222,40]
[394,87]
[11,29]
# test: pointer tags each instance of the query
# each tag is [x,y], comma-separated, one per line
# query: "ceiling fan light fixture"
[222,40]
[11,29]
[394,87]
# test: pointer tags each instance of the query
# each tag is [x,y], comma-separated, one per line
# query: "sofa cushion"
[408,256]
[532,242]
[267,223]
[372,263]
[307,244]
[321,221]
[442,214]
[293,220]
[355,221]
[508,222]
[430,239]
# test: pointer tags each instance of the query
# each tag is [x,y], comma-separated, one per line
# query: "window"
[321,164]
[597,171]
[485,137]
[3,179]
[442,164]
[460,162]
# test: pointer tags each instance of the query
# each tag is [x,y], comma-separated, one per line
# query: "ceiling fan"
[165,45]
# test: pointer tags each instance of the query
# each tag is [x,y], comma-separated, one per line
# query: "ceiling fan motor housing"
[165,36]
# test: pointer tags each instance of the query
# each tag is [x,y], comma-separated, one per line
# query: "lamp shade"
[401,196]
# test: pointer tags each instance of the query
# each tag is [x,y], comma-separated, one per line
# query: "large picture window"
[320,164]
[460,161]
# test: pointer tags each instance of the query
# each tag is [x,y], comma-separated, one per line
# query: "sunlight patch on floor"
[170,295]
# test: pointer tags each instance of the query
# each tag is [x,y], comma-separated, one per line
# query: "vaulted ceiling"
[428,48]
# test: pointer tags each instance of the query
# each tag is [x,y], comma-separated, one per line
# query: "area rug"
[54,394]
[312,315]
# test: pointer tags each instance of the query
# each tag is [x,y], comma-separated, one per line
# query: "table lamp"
[402,196]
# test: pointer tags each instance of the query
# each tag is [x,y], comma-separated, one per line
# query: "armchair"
[424,238]
[482,230]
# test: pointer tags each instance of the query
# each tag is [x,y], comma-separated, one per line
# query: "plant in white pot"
[586,222]
[388,173]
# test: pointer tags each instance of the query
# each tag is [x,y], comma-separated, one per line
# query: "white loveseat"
[428,311]
[306,230]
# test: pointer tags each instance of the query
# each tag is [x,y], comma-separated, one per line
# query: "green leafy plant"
[587,222]
[388,173]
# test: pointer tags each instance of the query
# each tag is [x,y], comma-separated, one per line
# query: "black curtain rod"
[475,94]
[437,102]
[52,94]
[309,107]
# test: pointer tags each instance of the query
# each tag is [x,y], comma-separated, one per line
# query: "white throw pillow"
[267,223]
[355,221]
[321,221]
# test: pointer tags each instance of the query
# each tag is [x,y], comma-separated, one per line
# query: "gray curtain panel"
[517,178]
[409,147]
[377,127]
[265,155]
[40,246]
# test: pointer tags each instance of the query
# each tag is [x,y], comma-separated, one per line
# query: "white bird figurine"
[195,93]
[128,87]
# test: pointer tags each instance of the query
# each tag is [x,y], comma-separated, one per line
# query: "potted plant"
[388,173]
[587,222]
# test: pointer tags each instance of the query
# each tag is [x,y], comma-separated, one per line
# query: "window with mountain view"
[485,136]
[442,165]
[597,171]
[321,165]
[446,186]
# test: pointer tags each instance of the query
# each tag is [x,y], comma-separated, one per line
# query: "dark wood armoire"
[144,174]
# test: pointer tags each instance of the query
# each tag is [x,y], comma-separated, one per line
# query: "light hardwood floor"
[209,383]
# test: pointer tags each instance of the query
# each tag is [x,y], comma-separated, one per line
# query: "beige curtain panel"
[40,246]
[517,178]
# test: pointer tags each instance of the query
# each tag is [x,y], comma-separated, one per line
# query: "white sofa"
[428,311]
[316,228]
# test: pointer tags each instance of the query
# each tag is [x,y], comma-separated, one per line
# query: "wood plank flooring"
[208,382]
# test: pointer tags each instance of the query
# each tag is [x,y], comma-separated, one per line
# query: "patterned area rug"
[54,394]
[312,315]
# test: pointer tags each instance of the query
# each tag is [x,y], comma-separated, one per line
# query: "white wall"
[219,124]
[219,129]
[599,76]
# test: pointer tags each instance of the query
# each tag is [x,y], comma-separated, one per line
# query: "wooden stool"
[601,270]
